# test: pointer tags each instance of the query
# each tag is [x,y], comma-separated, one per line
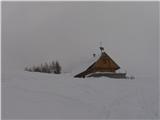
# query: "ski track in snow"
[62,96]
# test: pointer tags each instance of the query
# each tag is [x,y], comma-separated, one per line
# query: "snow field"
[49,96]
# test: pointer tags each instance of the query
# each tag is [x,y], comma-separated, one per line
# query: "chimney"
[94,55]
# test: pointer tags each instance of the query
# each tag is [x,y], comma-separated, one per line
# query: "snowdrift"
[27,95]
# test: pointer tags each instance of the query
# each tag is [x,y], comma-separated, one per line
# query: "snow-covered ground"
[27,95]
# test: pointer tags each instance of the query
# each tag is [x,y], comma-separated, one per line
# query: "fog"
[70,32]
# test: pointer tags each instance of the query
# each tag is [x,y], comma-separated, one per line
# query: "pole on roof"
[101,48]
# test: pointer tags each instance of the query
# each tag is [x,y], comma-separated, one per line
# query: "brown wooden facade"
[103,64]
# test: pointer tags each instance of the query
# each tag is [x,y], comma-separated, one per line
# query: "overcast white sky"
[36,32]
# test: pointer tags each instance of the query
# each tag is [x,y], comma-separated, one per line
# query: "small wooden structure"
[104,66]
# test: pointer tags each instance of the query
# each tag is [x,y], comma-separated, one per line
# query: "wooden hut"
[104,66]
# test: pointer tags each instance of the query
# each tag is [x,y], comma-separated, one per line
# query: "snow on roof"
[83,65]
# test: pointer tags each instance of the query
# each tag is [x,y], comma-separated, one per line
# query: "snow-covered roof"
[83,65]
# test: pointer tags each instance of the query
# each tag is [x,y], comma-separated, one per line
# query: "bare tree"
[53,67]
[58,68]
